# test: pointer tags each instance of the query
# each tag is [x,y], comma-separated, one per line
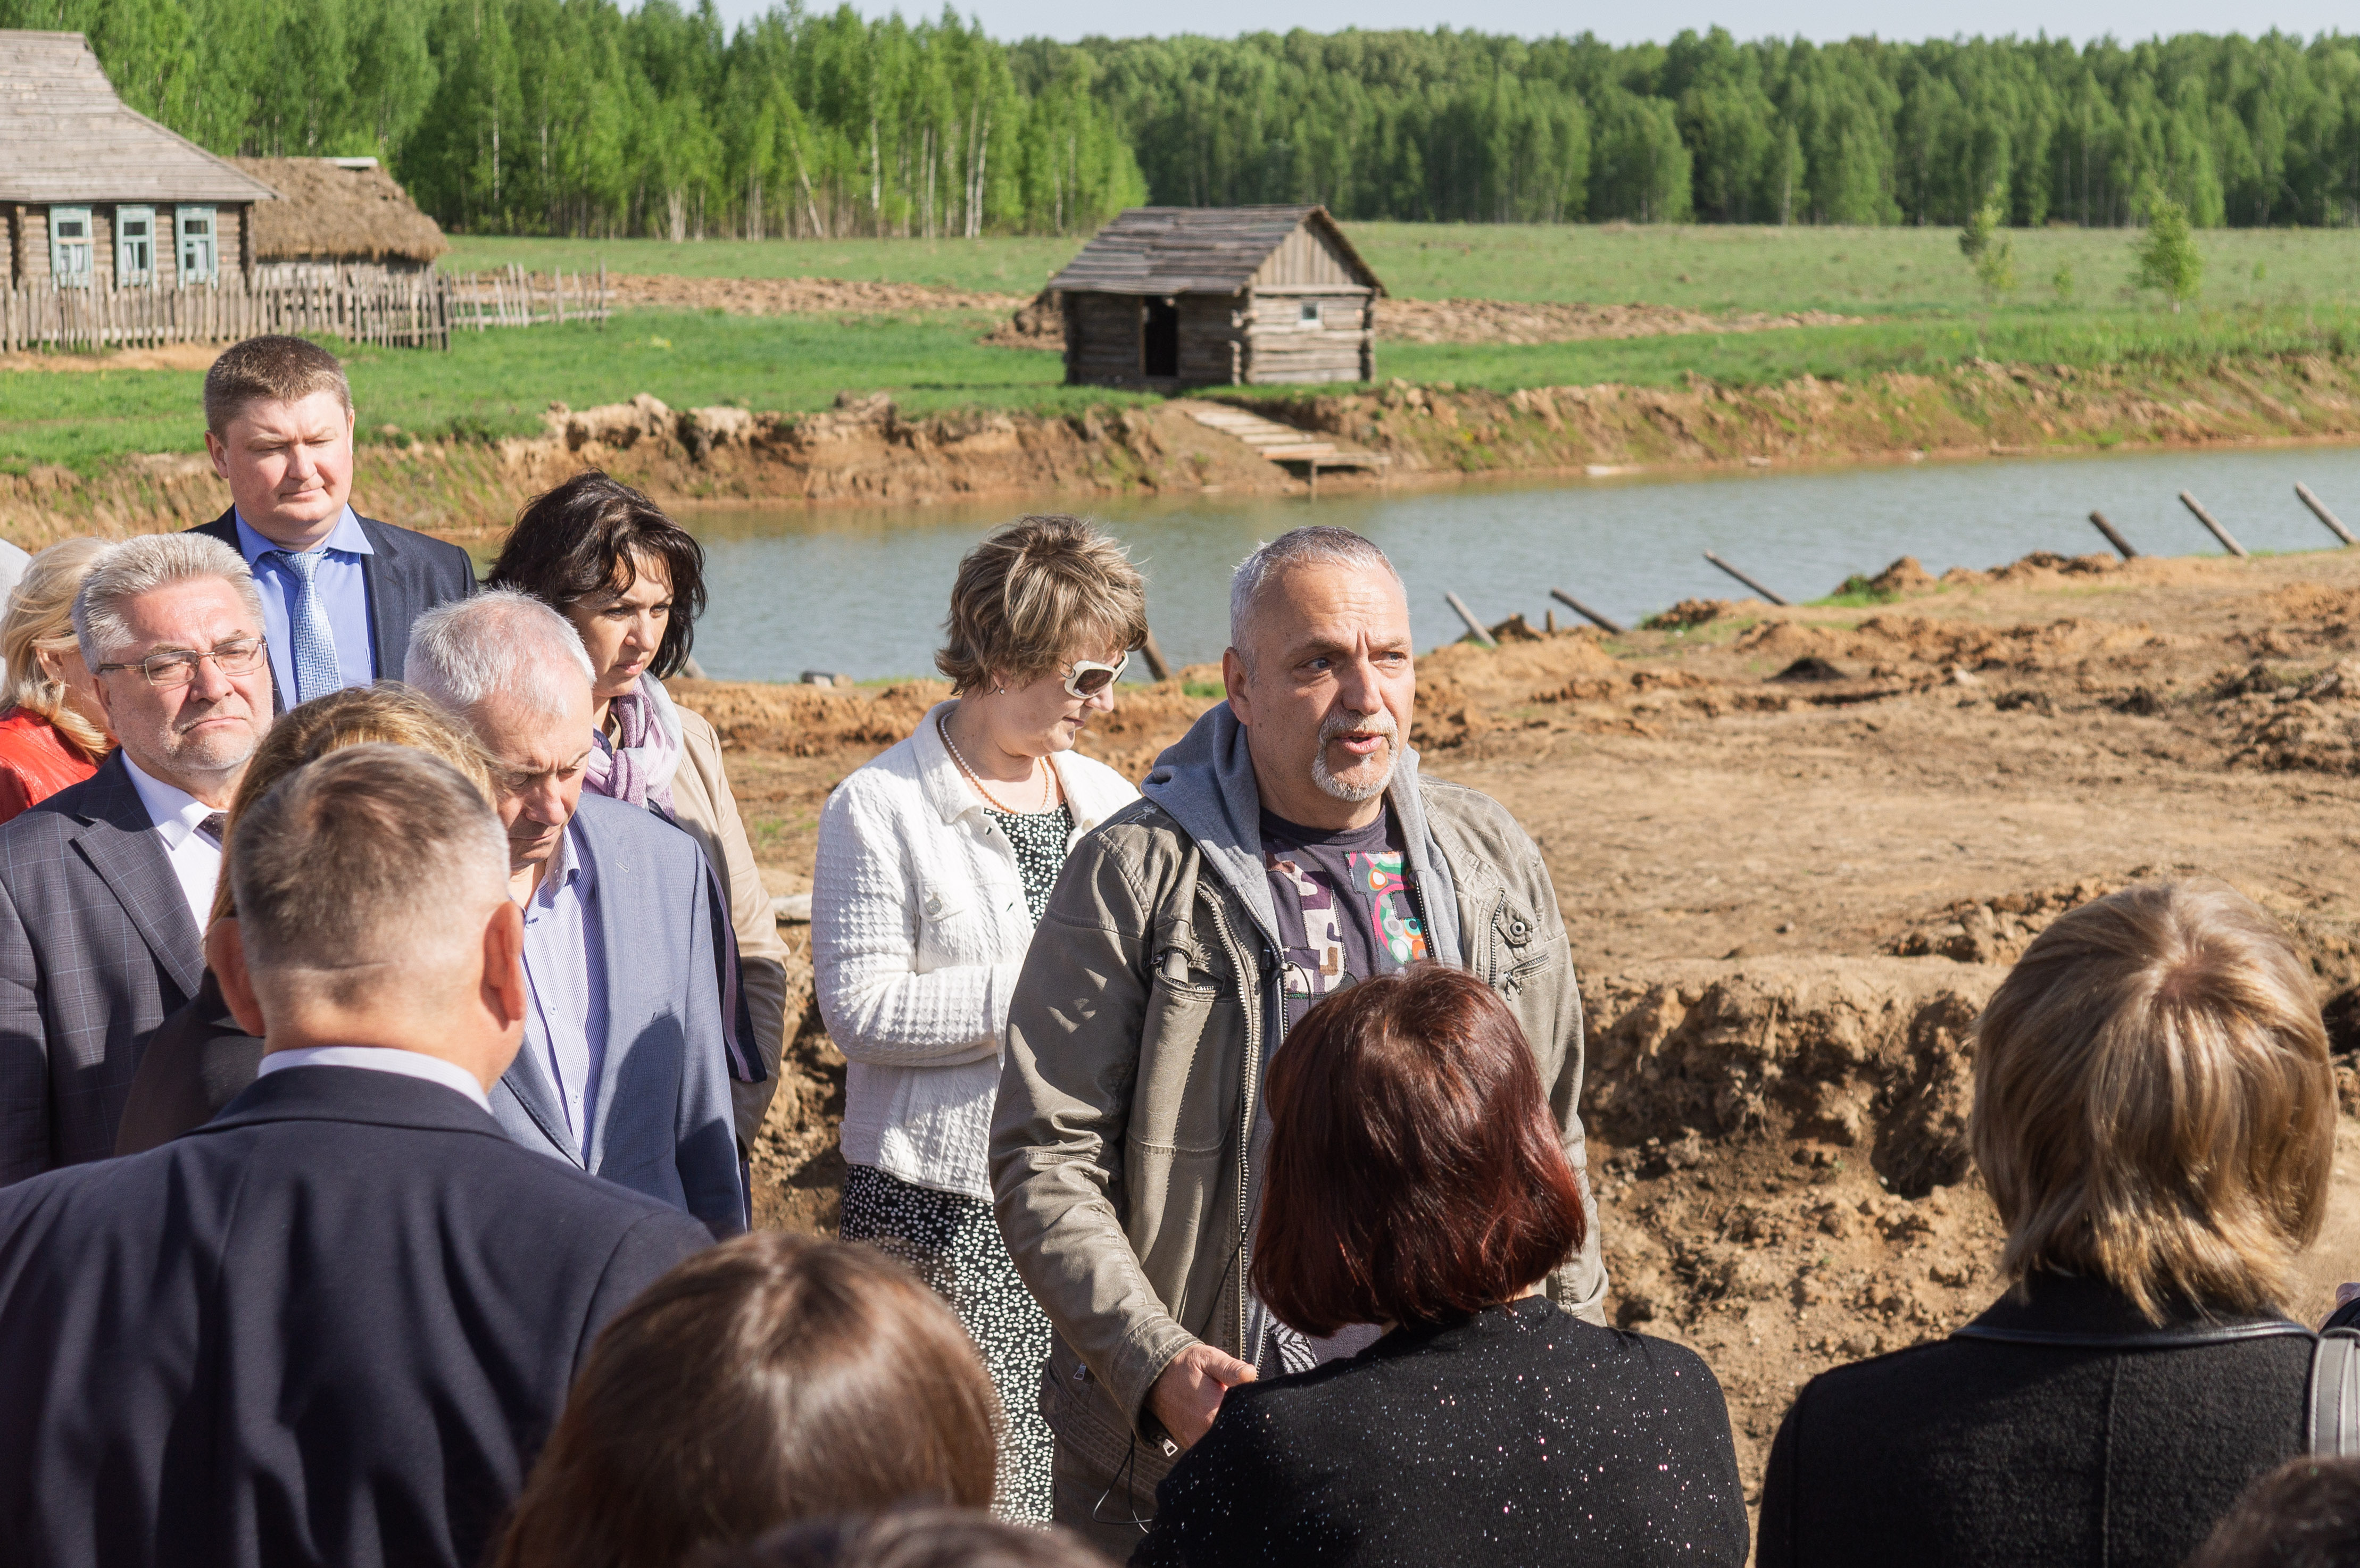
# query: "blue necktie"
[317,673]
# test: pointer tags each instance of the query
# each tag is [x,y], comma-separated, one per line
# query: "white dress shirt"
[196,859]
[379,1059]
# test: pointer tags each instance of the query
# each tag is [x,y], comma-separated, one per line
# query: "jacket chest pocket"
[957,923]
[1187,1097]
[1516,955]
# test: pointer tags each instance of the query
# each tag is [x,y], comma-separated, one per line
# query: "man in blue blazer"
[624,1071]
[339,591]
[335,1323]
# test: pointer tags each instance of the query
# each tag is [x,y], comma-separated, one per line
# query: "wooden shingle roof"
[65,136]
[1195,250]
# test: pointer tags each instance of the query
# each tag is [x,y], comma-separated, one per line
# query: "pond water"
[863,591]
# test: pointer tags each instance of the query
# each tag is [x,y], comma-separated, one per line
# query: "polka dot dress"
[952,1242]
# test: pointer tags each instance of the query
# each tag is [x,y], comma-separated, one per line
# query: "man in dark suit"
[104,887]
[339,591]
[334,1323]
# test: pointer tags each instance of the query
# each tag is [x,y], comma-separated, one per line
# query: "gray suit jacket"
[97,948]
[663,1124]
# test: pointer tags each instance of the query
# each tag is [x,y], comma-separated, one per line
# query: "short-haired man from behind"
[334,1323]
[104,887]
[1286,847]
[339,591]
[625,1068]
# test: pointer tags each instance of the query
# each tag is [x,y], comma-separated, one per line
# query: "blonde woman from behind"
[52,730]
[935,863]
[2155,1120]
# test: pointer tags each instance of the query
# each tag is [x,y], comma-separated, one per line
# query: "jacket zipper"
[1252,1066]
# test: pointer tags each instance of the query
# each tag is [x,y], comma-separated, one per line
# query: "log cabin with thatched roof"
[92,191]
[337,214]
[1170,297]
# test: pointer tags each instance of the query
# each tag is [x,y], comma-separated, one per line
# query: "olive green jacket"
[1141,1024]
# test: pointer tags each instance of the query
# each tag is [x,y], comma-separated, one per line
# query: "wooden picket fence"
[515,298]
[418,310]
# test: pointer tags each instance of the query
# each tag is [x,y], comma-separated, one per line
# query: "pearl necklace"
[1048,786]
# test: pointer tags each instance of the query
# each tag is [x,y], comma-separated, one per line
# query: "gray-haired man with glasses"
[104,887]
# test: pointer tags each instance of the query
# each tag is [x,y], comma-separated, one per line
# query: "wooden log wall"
[1282,347]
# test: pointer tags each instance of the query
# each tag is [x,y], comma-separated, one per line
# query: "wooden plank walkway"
[1281,443]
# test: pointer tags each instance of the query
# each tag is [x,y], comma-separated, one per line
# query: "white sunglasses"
[1087,677]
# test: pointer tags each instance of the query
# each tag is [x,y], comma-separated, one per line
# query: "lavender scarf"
[638,764]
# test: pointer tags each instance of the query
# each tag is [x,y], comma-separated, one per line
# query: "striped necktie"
[317,673]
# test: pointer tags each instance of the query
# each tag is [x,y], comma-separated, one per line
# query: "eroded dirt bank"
[1796,850]
[865,450]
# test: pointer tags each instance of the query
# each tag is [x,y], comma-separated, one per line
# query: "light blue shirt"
[379,1059]
[566,968]
[342,591]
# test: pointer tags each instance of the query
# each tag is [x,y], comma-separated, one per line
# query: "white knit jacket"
[919,927]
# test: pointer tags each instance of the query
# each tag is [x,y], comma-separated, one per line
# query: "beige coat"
[702,804]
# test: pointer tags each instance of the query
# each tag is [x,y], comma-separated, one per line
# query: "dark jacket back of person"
[333,1325]
[1975,1451]
[197,1062]
[1519,1435]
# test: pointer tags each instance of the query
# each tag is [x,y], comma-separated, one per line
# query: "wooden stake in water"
[1584,610]
[2319,509]
[1475,628]
[1743,578]
[2230,545]
[2122,545]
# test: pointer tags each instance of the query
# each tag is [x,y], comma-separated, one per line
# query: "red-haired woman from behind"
[1415,1181]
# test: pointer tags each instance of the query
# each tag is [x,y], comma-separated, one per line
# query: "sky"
[1822,20]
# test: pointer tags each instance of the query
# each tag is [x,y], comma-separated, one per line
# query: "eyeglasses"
[1087,677]
[178,669]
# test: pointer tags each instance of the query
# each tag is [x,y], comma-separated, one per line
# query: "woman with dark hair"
[1416,1181]
[633,582]
[772,1378]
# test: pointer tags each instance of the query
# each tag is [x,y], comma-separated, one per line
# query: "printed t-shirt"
[1348,906]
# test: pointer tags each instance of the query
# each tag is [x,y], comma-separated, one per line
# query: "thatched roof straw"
[337,209]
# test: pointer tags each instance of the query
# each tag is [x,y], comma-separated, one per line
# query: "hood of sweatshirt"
[1205,781]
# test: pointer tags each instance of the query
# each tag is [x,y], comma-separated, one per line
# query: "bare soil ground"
[1796,850]
[1035,324]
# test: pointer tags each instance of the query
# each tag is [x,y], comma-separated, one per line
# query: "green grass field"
[1711,269]
[2266,292]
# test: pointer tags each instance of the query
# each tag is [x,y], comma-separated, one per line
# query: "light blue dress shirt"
[342,591]
[566,968]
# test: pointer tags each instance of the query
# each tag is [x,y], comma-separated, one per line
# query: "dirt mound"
[168,356]
[2312,726]
[1780,1152]
[1993,931]
[1693,613]
[1519,322]
[1891,644]
[859,721]
[1039,323]
[792,296]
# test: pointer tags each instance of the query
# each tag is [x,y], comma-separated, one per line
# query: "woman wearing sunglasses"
[935,861]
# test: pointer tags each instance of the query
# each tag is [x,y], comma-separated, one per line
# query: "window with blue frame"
[135,246]
[200,258]
[70,246]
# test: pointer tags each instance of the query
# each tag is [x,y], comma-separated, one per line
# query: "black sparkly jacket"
[1520,1435]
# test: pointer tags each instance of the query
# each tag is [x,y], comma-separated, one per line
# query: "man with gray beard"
[1285,848]
[104,887]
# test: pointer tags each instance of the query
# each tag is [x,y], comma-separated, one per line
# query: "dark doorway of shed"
[1160,340]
